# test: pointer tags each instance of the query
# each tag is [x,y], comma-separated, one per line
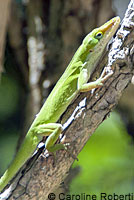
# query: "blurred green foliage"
[8,97]
[7,148]
[106,162]
[9,102]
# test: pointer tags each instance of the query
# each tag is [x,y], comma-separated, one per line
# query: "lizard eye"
[99,35]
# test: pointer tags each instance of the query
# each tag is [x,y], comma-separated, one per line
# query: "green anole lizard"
[73,81]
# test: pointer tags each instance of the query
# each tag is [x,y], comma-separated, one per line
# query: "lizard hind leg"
[52,130]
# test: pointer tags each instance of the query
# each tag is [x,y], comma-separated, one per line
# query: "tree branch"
[43,177]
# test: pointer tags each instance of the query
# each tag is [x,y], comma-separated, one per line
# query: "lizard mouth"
[111,24]
[110,27]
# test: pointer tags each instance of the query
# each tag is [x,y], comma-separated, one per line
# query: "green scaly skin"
[73,81]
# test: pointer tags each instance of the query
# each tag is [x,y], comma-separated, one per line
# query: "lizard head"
[104,33]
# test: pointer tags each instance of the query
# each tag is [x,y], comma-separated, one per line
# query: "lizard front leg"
[83,86]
